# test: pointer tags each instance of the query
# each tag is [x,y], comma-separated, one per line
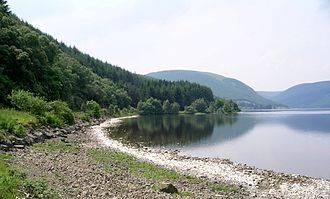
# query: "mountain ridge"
[223,87]
[306,95]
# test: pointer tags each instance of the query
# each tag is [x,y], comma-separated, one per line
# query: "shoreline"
[258,182]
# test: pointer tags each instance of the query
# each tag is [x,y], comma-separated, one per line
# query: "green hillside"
[36,62]
[221,86]
[309,95]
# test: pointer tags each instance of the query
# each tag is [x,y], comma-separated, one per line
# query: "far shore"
[260,183]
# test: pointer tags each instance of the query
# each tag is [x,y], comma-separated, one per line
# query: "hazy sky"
[267,44]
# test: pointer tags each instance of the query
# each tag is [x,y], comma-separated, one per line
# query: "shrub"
[200,105]
[113,110]
[169,108]
[190,110]
[62,111]
[26,101]
[175,108]
[11,126]
[93,109]
[151,106]
[53,120]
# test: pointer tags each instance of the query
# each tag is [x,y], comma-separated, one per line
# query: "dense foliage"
[54,113]
[35,62]
[154,107]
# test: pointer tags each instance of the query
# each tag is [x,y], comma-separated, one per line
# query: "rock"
[169,188]
[38,133]
[18,141]
[48,135]
[4,147]
[19,146]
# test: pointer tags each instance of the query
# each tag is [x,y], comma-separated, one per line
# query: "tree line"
[36,62]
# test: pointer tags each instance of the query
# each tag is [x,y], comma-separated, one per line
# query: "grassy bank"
[13,122]
[155,173]
[14,183]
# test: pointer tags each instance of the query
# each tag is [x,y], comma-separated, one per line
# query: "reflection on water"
[287,141]
[168,130]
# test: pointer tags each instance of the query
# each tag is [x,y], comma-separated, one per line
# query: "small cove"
[285,141]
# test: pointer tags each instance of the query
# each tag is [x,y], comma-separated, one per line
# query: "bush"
[93,109]
[190,110]
[175,108]
[26,101]
[53,120]
[149,107]
[200,105]
[10,126]
[113,110]
[169,108]
[62,111]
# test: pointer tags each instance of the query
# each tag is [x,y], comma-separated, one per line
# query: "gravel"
[74,174]
[259,183]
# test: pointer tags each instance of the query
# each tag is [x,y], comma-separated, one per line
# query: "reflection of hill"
[170,129]
[226,132]
[309,122]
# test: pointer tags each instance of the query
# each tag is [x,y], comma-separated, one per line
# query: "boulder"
[169,188]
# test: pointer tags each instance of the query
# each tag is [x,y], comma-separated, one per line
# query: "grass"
[14,122]
[142,169]
[53,146]
[223,188]
[14,184]
[151,171]
[23,118]
[185,194]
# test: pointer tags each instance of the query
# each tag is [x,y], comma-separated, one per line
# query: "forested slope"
[36,62]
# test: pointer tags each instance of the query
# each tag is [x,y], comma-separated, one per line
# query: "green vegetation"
[223,188]
[36,62]
[13,183]
[217,106]
[93,109]
[54,113]
[150,171]
[222,87]
[55,146]
[135,167]
[49,80]
[153,107]
[14,122]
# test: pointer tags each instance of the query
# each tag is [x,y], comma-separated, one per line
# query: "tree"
[4,7]
[175,108]
[199,105]
[93,109]
[149,107]
[167,108]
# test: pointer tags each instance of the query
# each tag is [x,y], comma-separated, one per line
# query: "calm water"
[286,141]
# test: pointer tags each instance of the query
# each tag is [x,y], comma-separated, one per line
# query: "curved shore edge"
[260,183]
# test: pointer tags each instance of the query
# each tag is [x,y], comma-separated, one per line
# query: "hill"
[268,94]
[308,95]
[221,86]
[36,62]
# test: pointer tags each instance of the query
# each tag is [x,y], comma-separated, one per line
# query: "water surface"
[285,141]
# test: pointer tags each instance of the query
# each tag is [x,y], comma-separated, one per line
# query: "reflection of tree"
[160,130]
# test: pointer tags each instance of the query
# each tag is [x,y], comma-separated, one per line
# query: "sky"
[269,45]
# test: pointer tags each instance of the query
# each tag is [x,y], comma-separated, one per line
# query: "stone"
[169,188]
[19,146]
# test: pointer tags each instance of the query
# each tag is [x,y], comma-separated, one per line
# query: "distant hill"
[268,94]
[221,86]
[309,95]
